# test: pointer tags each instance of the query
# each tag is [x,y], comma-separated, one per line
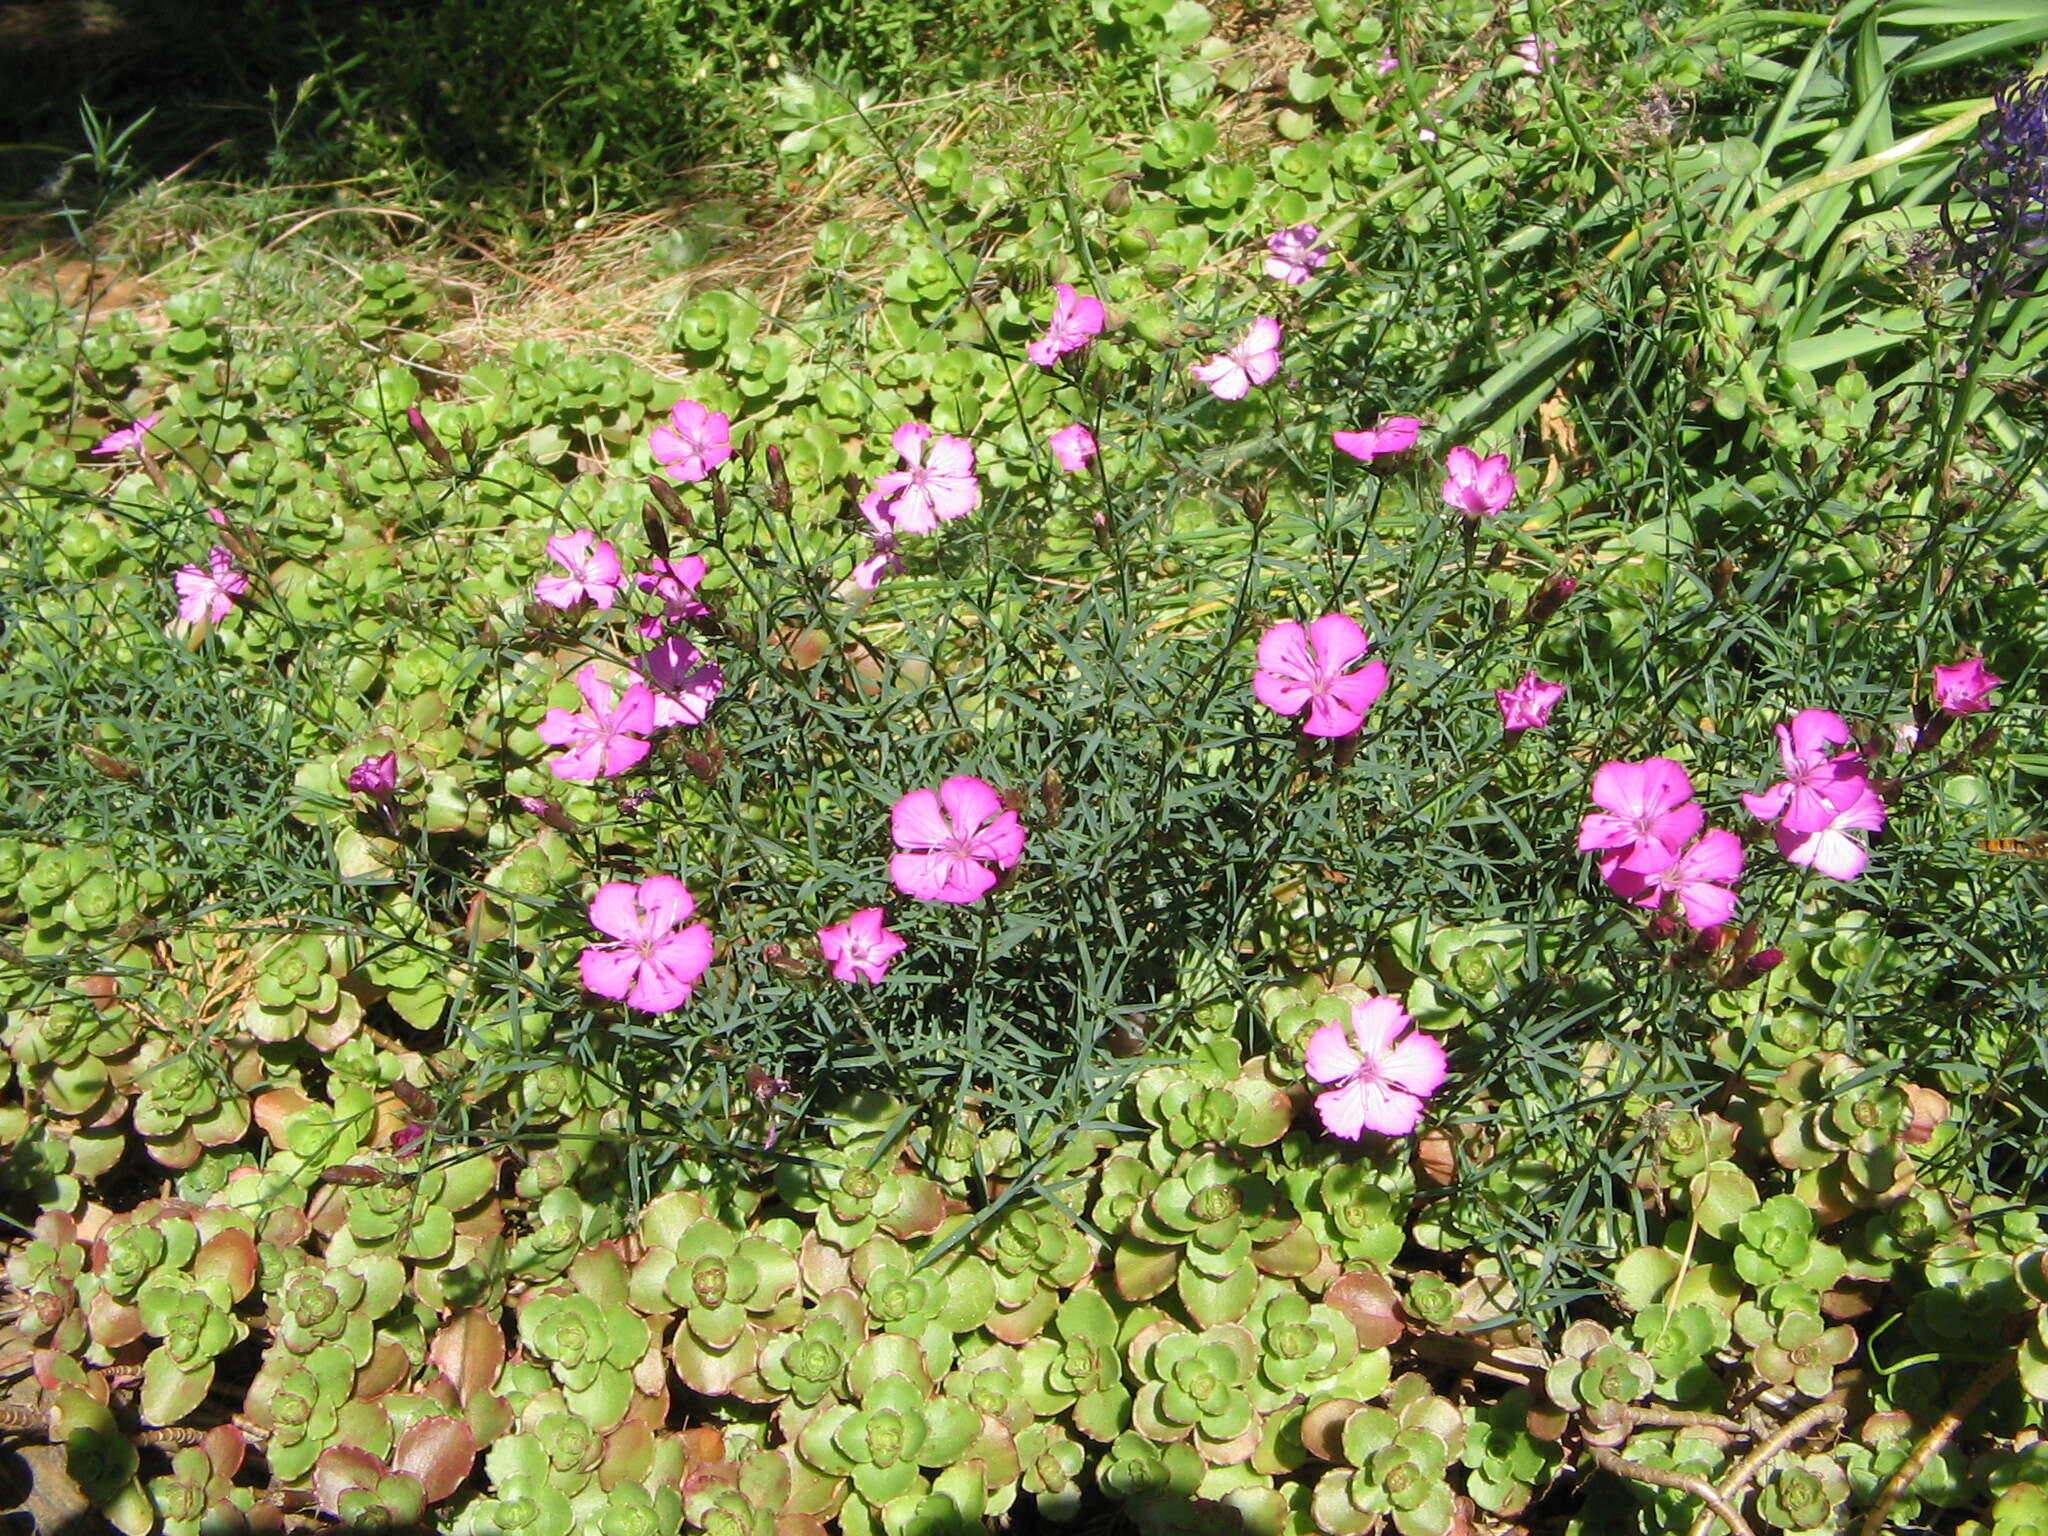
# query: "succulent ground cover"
[1324,815]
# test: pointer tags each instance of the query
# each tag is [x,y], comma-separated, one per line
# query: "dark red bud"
[1548,598]
[1765,960]
[1662,926]
[436,449]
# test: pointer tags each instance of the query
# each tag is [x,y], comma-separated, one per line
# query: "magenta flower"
[1700,879]
[675,582]
[885,558]
[603,738]
[593,567]
[656,963]
[1076,320]
[1964,688]
[1394,435]
[1254,360]
[1818,781]
[938,485]
[1831,849]
[130,436]
[682,681]
[860,948]
[1382,1074]
[1527,705]
[950,838]
[1647,814]
[694,443]
[1311,667]
[208,592]
[1476,487]
[1295,256]
[375,777]
[1386,63]
[1072,447]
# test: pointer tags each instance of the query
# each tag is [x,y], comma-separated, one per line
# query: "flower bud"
[1548,598]
[1764,960]
[436,449]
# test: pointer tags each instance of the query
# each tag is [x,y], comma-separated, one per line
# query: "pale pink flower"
[130,436]
[1964,689]
[1295,256]
[1818,781]
[1536,53]
[1383,1074]
[1699,878]
[208,592]
[1386,63]
[605,737]
[593,567]
[1831,849]
[675,582]
[949,839]
[1076,320]
[1647,814]
[1394,435]
[657,961]
[861,948]
[1072,447]
[1253,360]
[695,442]
[375,777]
[682,681]
[938,485]
[1476,487]
[1312,667]
[885,557]
[1527,705]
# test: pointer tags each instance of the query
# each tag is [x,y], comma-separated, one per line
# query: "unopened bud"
[671,503]
[549,812]
[657,530]
[436,449]
[1764,960]
[1548,598]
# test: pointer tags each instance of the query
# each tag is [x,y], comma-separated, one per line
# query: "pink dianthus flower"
[208,592]
[1077,319]
[1476,487]
[1701,879]
[1647,814]
[1382,1073]
[1072,447]
[1311,667]
[950,837]
[1253,360]
[657,960]
[1527,705]
[1294,255]
[694,443]
[593,567]
[1396,434]
[1965,688]
[605,738]
[937,486]
[861,948]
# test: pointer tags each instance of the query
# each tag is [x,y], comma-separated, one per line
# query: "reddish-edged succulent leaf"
[229,1256]
[469,1351]
[276,1109]
[1436,1158]
[439,1452]
[1367,1298]
[225,1447]
[341,1468]
[1322,1427]
[388,1366]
